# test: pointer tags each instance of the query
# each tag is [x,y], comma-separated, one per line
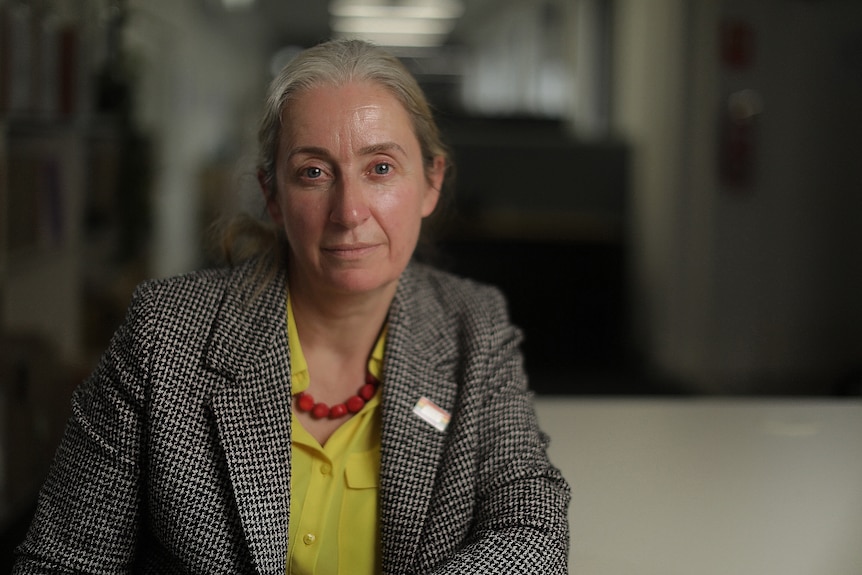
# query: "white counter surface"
[710,487]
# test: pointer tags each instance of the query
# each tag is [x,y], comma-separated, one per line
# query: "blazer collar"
[249,345]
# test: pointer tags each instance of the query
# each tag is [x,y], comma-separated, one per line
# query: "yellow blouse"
[333,488]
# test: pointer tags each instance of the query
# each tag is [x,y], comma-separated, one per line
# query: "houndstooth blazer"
[177,456]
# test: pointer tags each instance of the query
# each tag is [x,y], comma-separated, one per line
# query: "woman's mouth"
[350,251]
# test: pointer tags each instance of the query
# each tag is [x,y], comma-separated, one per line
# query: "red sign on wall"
[737,44]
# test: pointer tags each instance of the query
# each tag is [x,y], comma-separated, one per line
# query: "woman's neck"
[337,333]
[344,325]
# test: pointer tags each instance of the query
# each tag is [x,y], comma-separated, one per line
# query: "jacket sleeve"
[521,523]
[87,514]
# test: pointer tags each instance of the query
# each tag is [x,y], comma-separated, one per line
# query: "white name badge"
[432,413]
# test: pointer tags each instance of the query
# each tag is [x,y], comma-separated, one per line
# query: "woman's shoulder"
[194,287]
[438,292]
[201,293]
[204,283]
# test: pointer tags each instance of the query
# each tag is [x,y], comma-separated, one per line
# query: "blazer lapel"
[411,448]
[249,344]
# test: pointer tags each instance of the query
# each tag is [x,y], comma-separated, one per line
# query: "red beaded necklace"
[305,402]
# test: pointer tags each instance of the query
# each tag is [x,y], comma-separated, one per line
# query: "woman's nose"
[349,207]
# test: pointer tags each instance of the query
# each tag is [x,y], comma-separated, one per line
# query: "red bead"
[355,404]
[320,410]
[304,402]
[337,411]
[367,391]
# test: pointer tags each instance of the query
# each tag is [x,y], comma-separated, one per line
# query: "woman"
[326,406]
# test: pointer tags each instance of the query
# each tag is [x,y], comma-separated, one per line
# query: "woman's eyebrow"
[309,150]
[364,151]
[381,147]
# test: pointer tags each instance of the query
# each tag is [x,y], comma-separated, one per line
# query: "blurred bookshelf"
[64,134]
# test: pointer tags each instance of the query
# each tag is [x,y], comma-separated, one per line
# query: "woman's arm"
[87,514]
[521,523]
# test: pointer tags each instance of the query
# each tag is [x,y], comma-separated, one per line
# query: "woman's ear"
[435,182]
[270,196]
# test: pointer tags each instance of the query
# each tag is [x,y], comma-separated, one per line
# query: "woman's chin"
[359,281]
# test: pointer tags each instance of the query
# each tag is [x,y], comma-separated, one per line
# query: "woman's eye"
[382,169]
[312,173]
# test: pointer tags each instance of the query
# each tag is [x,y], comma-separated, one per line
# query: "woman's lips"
[350,251]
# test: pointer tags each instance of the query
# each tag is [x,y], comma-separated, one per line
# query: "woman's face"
[352,189]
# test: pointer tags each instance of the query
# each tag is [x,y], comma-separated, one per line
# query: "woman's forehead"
[364,110]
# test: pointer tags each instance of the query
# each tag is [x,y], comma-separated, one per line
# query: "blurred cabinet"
[52,138]
[42,207]
[548,228]
[47,65]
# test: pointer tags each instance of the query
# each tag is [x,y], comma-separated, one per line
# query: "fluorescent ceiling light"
[420,23]
[357,9]
[391,25]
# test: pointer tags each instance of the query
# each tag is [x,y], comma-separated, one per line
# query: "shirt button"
[308,538]
[326,469]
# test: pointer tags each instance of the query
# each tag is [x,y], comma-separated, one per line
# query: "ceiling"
[295,21]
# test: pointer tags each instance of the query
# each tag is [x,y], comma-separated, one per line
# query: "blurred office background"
[667,190]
